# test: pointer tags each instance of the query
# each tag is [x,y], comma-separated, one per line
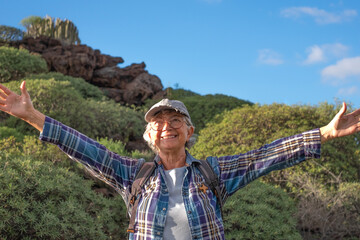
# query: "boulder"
[129,85]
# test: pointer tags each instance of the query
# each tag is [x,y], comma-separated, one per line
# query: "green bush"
[250,127]
[119,148]
[86,89]
[8,34]
[18,63]
[42,200]
[260,211]
[6,132]
[60,100]
[203,108]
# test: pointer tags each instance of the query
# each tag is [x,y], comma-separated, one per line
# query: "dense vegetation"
[45,195]
[203,109]
[15,64]
[323,187]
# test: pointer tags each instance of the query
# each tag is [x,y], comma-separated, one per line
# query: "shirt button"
[158,233]
[164,209]
[189,212]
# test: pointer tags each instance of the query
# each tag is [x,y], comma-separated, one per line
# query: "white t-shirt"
[176,225]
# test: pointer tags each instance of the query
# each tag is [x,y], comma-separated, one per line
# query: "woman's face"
[169,132]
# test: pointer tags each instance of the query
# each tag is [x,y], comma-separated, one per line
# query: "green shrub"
[119,148]
[250,127]
[18,63]
[6,132]
[41,200]
[260,211]
[86,89]
[8,34]
[60,100]
[203,108]
[179,93]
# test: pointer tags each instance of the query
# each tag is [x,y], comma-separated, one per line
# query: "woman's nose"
[166,125]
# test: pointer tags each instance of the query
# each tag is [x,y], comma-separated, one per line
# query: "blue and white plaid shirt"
[203,212]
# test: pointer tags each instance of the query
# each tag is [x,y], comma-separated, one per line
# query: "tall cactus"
[64,30]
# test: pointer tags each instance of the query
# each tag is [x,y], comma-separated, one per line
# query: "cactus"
[64,30]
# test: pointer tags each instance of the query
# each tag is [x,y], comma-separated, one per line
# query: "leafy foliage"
[203,108]
[6,132]
[40,199]
[8,34]
[18,63]
[260,211]
[250,127]
[119,148]
[86,89]
[60,100]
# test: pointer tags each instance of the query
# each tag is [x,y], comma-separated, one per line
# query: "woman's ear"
[190,132]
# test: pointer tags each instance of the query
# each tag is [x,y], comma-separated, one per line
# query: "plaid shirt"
[204,216]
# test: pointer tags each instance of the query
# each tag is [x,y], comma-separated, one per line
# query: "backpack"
[146,170]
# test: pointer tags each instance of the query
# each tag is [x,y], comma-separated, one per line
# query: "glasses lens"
[157,125]
[175,123]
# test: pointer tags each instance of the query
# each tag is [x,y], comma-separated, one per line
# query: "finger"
[2,95]
[342,111]
[3,108]
[2,102]
[23,89]
[5,89]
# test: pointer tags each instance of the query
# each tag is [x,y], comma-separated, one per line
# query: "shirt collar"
[189,159]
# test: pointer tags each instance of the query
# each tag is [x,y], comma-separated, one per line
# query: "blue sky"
[292,52]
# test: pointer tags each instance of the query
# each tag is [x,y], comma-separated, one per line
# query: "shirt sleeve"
[118,171]
[238,170]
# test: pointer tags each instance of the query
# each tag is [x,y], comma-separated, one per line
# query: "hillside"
[318,199]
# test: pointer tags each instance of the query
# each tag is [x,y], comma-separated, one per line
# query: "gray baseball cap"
[166,104]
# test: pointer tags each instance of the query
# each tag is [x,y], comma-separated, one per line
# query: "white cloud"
[316,54]
[345,68]
[270,57]
[325,52]
[348,91]
[320,16]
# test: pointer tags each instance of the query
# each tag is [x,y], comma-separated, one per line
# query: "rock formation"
[128,85]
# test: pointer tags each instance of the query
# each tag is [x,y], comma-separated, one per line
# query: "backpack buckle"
[132,200]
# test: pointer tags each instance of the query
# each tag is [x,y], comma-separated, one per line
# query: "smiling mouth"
[169,137]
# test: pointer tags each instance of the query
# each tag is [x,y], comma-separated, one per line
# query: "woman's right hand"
[20,106]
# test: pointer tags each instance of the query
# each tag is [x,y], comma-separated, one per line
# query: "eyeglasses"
[175,123]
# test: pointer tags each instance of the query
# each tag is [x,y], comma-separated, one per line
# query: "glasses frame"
[169,123]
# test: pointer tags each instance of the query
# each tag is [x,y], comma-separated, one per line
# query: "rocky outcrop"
[128,85]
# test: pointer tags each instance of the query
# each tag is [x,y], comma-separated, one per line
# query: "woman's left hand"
[341,125]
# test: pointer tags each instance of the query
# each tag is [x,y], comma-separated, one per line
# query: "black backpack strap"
[211,180]
[141,178]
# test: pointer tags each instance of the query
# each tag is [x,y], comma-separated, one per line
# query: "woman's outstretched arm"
[21,106]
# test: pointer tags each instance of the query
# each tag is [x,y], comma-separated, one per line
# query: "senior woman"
[174,204]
